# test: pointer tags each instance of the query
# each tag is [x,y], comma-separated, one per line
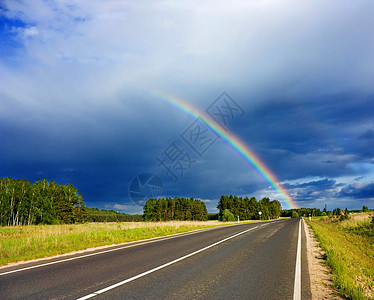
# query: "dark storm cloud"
[358,191]
[75,102]
[310,191]
[318,184]
[312,138]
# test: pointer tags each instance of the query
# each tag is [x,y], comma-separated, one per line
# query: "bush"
[344,217]
[294,214]
[227,216]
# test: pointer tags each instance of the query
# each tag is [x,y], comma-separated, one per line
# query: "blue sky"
[76,100]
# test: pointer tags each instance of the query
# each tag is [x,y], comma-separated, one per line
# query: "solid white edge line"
[162,266]
[297,284]
[134,244]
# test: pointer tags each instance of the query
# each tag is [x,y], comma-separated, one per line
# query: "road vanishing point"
[263,260]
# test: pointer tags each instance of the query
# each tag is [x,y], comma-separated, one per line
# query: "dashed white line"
[162,266]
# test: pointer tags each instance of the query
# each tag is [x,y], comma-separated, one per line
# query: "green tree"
[45,208]
[41,203]
[294,214]
[80,210]
[227,216]
[174,209]
[248,209]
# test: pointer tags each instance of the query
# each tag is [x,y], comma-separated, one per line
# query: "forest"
[169,209]
[303,212]
[104,215]
[23,203]
[43,202]
[232,207]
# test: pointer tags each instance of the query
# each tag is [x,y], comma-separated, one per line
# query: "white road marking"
[133,244]
[297,285]
[136,243]
[162,266]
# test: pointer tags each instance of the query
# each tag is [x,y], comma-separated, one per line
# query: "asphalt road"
[246,261]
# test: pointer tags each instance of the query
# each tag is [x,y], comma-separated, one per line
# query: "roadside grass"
[21,243]
[349,251]
[18,243]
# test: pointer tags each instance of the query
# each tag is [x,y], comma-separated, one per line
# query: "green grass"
[349,251]
[19,243]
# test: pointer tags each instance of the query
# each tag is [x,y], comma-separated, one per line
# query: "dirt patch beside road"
[320,275]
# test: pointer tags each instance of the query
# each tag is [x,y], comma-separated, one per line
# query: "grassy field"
[349,251]
[19,243]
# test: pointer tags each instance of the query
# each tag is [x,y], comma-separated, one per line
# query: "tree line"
[169,209]
[103,215]
[315,212]
[23,203]
[230,207]
[303,212]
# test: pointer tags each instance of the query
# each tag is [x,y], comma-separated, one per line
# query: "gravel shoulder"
[320,274]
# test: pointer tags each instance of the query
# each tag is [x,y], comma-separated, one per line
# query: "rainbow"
[234,142]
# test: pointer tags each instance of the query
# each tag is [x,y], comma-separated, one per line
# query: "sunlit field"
[349,251]
[19,243]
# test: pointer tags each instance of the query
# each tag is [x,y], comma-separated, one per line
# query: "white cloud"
[91,52]
[125,208]
[120,206]
[155,40]
[24,33]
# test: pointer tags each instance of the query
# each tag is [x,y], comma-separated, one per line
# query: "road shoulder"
[320,275]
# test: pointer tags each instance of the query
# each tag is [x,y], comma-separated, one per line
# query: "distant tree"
[103,215]
[80,211]
[14,201]
[46,209]
[248,209]
[162,209]
[365,209]
[40,203]
[227,216]
[213,216]
[294,214]
[275,209]
[264,208]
